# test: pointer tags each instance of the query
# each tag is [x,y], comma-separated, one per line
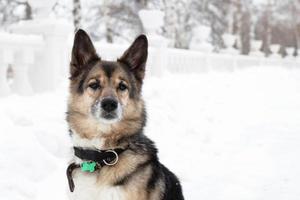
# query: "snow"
[227,135]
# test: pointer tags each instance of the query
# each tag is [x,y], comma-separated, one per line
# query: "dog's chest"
[87,188]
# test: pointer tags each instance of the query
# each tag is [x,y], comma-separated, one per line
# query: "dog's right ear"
[83,52]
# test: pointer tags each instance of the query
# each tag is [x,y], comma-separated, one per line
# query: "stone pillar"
[21,65]
[51,61]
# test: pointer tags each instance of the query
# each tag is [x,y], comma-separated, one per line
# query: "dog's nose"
[109,104]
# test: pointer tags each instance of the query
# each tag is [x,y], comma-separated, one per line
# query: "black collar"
[100,157]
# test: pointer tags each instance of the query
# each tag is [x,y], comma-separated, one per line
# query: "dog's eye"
[122,86]
[94,85]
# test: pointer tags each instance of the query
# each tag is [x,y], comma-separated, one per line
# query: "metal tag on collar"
[114,161]
[88,166]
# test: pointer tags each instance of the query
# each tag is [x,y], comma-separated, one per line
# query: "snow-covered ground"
[226,135]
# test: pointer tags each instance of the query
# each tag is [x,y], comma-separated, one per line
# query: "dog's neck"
[88,133]
[113,137]
[91,143]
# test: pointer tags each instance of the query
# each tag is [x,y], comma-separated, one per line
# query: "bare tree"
[236,8]
[108,19]
[295,9]
[267,30]
[245,27]
[177,23]
[28,10]
[285,25]
[76,14]
[215,14]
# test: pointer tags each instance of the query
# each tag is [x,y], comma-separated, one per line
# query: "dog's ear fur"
[135,57]
[83,52]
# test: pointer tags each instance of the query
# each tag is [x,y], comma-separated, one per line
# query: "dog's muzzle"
[109,105]
[107,110]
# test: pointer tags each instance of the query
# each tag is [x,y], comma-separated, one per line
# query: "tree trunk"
[236,23]
[282,51]
[76,14]
[245,32]
[296,32]
[109,34]
[28,11]
[265,48]
[295,54]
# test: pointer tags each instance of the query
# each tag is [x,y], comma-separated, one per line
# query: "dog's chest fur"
[87,187]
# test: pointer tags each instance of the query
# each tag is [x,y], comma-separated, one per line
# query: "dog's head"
[106,95]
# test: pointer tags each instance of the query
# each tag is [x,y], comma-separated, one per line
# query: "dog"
[113,159]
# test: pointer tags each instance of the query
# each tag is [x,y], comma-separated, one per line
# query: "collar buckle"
[111,162]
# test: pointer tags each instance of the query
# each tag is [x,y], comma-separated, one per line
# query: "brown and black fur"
[138,171]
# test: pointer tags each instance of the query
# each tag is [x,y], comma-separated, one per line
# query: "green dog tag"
[88,166]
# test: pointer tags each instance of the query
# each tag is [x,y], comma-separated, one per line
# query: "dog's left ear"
[135,57]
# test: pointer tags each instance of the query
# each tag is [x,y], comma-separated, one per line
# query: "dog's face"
[103,93]
[106,91]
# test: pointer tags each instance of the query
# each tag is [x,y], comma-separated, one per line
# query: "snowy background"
[222,91]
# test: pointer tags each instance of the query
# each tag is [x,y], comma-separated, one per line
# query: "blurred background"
[246,26]
[222,91]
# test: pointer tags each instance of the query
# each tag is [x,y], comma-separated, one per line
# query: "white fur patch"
[86,188]
[95,143]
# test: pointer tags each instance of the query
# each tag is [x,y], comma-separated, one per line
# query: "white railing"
[18,51]
[38,54]
[184,61]
[40,61]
